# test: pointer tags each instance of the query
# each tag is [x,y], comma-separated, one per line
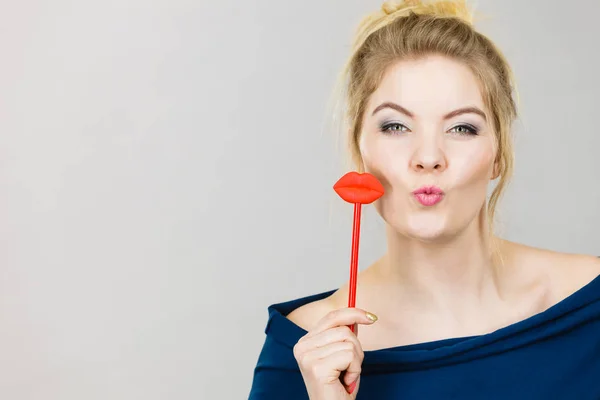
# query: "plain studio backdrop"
[166,173]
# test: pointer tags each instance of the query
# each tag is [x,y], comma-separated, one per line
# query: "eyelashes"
[395,128]
[467,130]
[387,128]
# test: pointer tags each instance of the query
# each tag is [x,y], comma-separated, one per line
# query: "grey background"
[166,173]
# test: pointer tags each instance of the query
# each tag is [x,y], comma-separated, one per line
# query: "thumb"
[352,389]
[350,378]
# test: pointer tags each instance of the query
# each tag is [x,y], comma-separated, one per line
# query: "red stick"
[358,189]
[354,258]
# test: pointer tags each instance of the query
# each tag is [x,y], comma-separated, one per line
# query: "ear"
[496,170]
[359,162]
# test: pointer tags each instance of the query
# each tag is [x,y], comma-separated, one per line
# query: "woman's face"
[425,126]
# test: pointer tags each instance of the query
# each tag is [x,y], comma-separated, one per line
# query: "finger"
[323,352]
[343,316]
[338,334]
[338,362]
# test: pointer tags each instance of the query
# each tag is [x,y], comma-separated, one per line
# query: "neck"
[453,275]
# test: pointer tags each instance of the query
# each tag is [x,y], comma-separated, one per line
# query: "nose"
[428,155]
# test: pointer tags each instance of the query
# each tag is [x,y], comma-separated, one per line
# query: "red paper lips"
[359,188]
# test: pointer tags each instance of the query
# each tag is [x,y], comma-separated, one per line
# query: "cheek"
[473,164]
[387,160]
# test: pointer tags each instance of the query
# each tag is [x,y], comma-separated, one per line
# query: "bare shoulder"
[564,273]
[571,272]
[307,316]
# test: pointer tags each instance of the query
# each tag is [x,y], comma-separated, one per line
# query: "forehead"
[429,86]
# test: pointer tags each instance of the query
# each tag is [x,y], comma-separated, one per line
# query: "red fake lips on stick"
[358,189]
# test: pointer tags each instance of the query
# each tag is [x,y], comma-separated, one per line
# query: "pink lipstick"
[429,195]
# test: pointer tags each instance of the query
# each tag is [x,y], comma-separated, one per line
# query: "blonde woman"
[450,310]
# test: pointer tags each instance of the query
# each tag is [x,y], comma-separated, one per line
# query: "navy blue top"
[554,354]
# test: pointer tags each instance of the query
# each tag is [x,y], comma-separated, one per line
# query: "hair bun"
[440,8]
[390,7]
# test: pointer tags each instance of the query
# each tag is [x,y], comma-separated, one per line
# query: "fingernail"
[372,317]
[351,387]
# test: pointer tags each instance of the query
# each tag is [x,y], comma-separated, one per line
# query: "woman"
[450,311]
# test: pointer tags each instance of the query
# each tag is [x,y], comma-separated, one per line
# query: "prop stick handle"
[354,258]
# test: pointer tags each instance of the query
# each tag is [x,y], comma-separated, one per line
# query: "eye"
[393,128]
[465,130]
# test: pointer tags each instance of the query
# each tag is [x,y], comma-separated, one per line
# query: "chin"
[429,236]
[427,228]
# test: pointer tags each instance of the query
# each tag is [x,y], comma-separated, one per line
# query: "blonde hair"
[413,29]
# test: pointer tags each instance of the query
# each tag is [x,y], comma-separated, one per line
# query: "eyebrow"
[460,111]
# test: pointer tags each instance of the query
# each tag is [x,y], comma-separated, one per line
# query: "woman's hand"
[330,351]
